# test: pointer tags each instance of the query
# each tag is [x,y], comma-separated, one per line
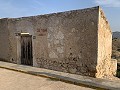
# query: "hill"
[116,52]
[116,34]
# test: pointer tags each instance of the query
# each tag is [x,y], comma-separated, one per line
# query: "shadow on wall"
[118,71]
[4,60]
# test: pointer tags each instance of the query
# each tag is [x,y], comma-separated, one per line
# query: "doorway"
[26,50]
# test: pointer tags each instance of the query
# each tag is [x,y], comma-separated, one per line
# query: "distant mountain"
[116,34]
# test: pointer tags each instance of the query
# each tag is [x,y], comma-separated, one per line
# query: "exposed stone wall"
[104,63]
[113,67]
[63,41]
[69,41]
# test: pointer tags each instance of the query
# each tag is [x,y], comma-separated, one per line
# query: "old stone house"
[77,41]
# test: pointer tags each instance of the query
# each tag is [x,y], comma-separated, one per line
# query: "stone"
[53,55]
[60,49]
[72,70]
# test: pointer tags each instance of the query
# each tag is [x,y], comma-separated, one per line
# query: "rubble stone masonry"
[77,41]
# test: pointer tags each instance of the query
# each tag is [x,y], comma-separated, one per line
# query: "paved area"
[61,76]
[12,80]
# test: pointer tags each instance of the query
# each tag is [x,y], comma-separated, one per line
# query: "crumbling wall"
[104,63]
[77,41]
[67,41]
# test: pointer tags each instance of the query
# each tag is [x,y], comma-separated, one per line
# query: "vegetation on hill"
[116,34]
[116,53]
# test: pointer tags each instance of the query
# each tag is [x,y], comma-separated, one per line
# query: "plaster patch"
[48,45]
[62,42]
[48,36]
[61,55]
[83,30]
[51,29]
[73,29]
[77,38]
[60,35]
[93,23]
[60,49]
[70,34]
[56,42]
[53,55]
[79,55]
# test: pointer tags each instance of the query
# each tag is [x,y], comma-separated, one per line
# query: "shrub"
[118,73]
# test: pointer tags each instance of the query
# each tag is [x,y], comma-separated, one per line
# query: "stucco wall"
[4,40]
[68,41]
[65,41]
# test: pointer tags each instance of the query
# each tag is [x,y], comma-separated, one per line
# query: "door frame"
[18,37]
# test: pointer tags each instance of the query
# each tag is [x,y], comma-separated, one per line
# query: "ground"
[12,80]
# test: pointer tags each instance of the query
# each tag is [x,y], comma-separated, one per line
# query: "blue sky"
[20,8]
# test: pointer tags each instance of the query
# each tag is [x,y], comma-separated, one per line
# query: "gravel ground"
[12,80]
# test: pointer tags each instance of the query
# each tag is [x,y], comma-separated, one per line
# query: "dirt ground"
[12,80]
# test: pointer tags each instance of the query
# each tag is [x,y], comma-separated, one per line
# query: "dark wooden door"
[26,50]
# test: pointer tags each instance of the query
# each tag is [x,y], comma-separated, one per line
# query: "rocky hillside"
[116,49]
[116,45]
[116,34]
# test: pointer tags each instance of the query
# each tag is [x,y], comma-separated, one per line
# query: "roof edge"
[90,8]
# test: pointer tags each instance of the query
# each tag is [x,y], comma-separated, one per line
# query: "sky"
[23,8]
